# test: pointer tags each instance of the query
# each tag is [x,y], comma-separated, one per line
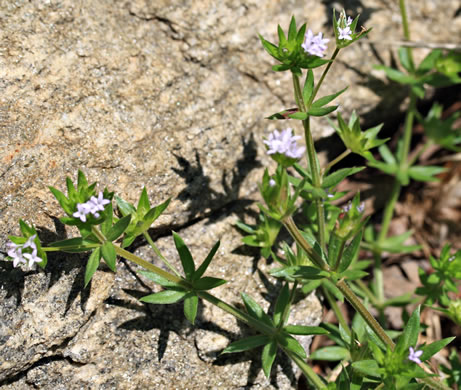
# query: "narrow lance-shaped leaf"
[289,342]
[109,255]
[350,253]
[308,88]
[207,283]
[190,307]
[246,344]
[268,356]
[321,111]
[164,297]
[327,99]
[409,337]
[143,203]
[159,279]
[185,256]
[305,330]
[117,230]
[255,310]
[92,265]
[201,270]
[282,301]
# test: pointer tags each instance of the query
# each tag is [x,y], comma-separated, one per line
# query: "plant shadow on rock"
[165,319]
[198,193]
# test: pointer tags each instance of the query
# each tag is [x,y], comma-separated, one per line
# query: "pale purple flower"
[32,257]
[82,210]
[314,45]
[345,33]
[92,206]
[97,204]
[19,257]
[361,207]
[272,182]
[15,253]
[414,355]
[284,143]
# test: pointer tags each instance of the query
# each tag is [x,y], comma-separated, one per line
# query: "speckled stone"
[171,96]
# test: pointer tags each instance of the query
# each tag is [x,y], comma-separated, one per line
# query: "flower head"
[314,45]
[414,355]
[284,143]
[92,206]
[19,256]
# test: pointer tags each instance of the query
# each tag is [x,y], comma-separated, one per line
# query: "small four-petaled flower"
[284,143]
[415,355]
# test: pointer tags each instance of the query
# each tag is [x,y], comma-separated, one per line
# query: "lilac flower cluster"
[360,208]
[284,143]
[314,45]
[16,252]
[345,33]
[92,206]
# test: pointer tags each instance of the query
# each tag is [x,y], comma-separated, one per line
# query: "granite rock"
[171,96]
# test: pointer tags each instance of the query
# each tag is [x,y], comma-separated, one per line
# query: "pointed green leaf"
[92,265]
[431,349]
[425,173]
[282,37]
[289,342]
[303,330]
[338,176]
[109,255]
[63,201]
[282,301]
[268,357]
[335,248]
[350,253]
[117,230]
[309,273]
[396,75]
[26,230]
[270,48]
[125,207]
[143,203]
[208,282]
[308,88]
[298,115]
[159,279]
[190,307]
[405,59]
[321,111]
[107,223]
[409,337]
[368,368]
[184,254]
[292,30]
[327,99]
[332,354]
[164,297]
[246,344]
[155,212]
[201,270]
[428,63]
[255,310]
[82,184]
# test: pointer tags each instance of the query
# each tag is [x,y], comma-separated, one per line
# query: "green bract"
[289,51]
[358,141]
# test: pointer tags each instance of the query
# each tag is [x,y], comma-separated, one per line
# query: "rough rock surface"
[169,95]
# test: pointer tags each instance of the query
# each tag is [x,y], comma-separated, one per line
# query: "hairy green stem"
[406,31]
[322,77]
[362,310]
[298,94]
[145,264]
[336,160]
[298,237]
[159,254]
